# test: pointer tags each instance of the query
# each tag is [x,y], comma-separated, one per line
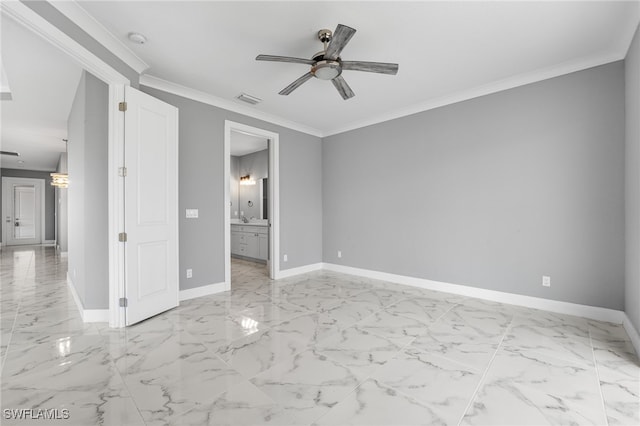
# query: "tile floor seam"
[15,318]
[599,383]
[370,375]
[6,351]
[427,324]
[486,371]
[126,386]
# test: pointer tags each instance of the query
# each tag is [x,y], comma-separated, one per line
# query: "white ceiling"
[244,143]
[447,51]
[43,83]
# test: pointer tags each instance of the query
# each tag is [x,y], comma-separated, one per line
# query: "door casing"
[274,199]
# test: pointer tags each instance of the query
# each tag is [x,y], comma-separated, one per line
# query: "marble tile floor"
[321,348]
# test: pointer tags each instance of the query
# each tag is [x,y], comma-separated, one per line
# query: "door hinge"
[123,302]
[122,237]
[122,106]
[122,171]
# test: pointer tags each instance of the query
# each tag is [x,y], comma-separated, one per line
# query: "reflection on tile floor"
[320,348]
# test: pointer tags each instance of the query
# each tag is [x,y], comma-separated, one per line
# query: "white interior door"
[22,210]
[151,206]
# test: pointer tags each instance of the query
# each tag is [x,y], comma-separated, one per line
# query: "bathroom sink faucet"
[244,219]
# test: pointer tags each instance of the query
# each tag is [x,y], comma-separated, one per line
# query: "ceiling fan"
[327,64]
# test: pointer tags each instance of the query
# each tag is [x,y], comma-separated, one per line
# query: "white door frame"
[28,18]
[7,181]
[274,197]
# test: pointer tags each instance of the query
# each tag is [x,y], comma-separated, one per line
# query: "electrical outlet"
[285,258]
[546,281]
[189,273]
[192,213]
[339,254]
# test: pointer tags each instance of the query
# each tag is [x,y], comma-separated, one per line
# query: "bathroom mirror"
[249,185]
[253,200]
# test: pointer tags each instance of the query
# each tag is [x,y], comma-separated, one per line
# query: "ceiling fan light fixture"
[326,70]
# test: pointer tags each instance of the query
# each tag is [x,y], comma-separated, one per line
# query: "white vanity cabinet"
[250,241]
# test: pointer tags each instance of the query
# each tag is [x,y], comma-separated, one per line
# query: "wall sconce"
[246,180]
[60,180]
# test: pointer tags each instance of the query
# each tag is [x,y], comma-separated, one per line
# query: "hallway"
[321,348]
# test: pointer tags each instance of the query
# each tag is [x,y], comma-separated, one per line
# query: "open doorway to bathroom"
[251,204]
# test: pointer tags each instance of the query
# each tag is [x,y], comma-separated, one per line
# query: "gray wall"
[75,191]
[234,181]
[62,238]
[64,24]
[201,186]
[49,198]
[493,192]
[632,190]
[87,193]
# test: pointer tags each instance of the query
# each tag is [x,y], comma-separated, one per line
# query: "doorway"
[118,269]
[251,200]
[22,211]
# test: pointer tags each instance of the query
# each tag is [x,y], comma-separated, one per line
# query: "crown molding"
[22,14]
[463,95]
[82,18]
[487,89]
[206,98]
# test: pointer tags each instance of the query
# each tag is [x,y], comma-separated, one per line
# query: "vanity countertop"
[249,224]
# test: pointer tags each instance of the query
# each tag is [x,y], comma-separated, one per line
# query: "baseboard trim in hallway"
[634,335]
[87,315]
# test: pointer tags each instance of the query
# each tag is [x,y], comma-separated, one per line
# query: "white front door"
[22,210]
[151,206]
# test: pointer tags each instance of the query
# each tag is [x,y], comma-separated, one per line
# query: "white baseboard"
[49,243]
[76,298]
[592,312]
[632,332]
[95,315]
[87,315]
[205,290]
[299,270]
[210,289]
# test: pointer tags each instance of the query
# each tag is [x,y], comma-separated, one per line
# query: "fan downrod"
[324,35]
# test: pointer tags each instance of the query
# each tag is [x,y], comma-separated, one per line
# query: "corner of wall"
[632,184]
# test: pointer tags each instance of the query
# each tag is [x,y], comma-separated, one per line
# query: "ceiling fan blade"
[293,86]
[339,40]
[274,58]
[343,88]
[377,67]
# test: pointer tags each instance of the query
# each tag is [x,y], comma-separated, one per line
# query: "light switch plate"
[192,213]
